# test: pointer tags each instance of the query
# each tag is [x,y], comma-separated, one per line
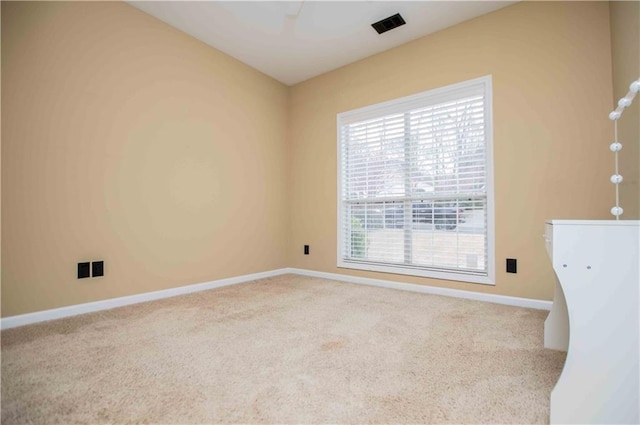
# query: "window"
[415,185]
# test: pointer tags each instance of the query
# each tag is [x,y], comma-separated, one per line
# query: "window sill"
[419,272]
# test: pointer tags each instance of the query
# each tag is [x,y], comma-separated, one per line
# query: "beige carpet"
[288,349]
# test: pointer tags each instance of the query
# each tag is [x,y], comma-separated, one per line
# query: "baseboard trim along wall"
[73,310]
[434,290]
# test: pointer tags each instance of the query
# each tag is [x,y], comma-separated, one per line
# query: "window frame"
[405,104]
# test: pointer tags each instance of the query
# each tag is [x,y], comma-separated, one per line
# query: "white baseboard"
[457,293]
[73,310]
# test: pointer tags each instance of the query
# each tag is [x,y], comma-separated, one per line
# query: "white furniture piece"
[595,317]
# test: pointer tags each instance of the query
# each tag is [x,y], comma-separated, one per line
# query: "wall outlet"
[306,250]
[512,265]
[97,268]
[83,270]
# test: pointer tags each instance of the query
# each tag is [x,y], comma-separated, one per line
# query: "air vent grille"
[388,23]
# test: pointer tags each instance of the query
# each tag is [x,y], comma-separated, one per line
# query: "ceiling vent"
[388,23]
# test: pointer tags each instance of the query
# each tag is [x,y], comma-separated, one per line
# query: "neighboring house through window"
[416,185]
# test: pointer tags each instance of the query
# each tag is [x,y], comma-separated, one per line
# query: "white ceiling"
[293,41]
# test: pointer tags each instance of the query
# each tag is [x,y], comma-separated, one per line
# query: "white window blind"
[415,185]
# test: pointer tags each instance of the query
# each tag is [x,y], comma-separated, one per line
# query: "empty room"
[320,212]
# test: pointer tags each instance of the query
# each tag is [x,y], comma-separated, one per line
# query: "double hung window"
[415,185]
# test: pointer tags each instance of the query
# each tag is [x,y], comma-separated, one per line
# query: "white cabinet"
[595,317]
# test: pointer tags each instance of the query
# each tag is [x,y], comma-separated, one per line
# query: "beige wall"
[625,52]
[551,68]
[128,141]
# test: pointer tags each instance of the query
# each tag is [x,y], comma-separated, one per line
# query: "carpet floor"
[287,349]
